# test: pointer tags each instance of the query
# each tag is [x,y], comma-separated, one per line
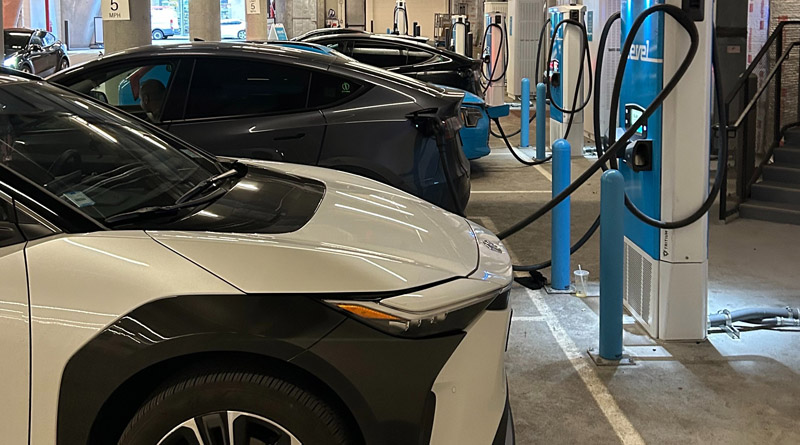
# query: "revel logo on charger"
[642,53]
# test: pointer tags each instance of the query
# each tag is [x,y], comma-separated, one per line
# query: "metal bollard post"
[525,114]
[612,208]
[560,279]
[541,119]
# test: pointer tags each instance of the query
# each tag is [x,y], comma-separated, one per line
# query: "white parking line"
[585,369]
[528,318]
[487,192]
[544,172]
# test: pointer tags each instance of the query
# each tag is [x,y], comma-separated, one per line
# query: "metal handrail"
[763,88]
[776,38]
[763,52]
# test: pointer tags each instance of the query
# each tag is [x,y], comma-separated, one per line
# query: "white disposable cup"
[580,282]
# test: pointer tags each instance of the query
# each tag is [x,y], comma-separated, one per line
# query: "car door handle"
[289,138]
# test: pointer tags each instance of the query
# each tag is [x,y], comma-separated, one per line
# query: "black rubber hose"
[752,315]
[575,247]
[539,75]
[511,149]
[511,135]
[598,74]
[490,79]
[596,224]
[688,24]
[588,60]
[620,144]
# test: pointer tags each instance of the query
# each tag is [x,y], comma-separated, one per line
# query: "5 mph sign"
[116,10]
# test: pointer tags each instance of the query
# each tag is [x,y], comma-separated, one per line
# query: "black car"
[306,105]
[33,51]
[406,56]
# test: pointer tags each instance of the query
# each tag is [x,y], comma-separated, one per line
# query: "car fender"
[278,327]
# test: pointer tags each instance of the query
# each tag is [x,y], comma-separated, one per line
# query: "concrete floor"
[717,391]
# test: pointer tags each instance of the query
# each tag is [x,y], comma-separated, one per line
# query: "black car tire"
[242,34]
[25,68]
[62,64]
[158,34]
[214,390]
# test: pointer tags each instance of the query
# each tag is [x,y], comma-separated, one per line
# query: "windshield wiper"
[162,210]
[206,183]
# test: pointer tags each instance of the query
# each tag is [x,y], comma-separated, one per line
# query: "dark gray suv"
[305,104]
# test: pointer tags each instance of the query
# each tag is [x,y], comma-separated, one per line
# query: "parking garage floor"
[717,391]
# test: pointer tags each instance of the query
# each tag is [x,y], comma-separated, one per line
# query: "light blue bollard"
[612,208]
[541,119]
[560,279]
[525,114]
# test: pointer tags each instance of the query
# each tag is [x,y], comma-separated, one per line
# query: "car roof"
[10,75]
[407,41]
[20,29]
[327,31]
[226,48]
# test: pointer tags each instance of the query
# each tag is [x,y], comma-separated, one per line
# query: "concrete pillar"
[204,20]
[120,35]
[2,34]
[257,23]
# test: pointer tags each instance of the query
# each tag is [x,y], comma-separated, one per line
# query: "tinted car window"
[9,233]
[228,87]
[16,40]
[327,89]
[98,161]
[126,87]
[416,56]
[380,54]
[49,39]
[36,39]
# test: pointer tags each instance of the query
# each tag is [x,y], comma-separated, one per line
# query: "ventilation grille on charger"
[638,279]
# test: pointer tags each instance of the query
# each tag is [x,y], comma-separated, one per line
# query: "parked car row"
[176,267]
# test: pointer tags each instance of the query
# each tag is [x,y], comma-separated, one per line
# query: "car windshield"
[16,40]
[100,161]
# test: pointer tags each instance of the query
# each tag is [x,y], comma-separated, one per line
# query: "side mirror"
[99,95]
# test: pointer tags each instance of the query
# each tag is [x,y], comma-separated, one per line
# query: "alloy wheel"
[229,428]
[242,35]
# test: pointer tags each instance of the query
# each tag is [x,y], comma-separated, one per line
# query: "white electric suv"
[153,294]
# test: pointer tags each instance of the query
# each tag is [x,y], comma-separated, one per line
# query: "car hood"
[10,53]
[362,237]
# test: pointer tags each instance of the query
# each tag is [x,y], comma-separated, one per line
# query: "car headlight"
[471,116]
[11,62]
[448,307]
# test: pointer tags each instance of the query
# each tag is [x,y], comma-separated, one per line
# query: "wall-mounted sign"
[254,6]
[116,10]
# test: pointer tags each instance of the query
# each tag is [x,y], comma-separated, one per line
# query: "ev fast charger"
[666,271]
[563,70]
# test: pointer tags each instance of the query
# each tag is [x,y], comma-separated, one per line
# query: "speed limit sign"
[254,6]
[116,10]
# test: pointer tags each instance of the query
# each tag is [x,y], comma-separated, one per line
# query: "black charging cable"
[616,146]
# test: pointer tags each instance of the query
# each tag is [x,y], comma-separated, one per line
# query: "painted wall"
[80,14]
[421,11]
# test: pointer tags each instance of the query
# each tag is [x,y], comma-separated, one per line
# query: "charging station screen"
[632,114]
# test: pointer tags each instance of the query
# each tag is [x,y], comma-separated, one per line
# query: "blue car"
[475,132]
